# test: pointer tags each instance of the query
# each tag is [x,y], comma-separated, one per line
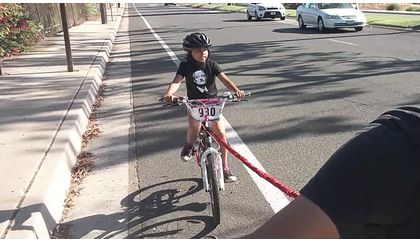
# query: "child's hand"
[240,94]
[168,98]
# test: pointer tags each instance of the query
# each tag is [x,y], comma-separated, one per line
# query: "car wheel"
[358,28]
[321,26]
[283,18]
[249,17]
[301,24]
[256,16]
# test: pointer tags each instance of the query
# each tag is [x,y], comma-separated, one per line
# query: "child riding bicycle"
[199,72]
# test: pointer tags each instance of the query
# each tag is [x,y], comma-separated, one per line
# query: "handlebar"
[227,95]
[232,97]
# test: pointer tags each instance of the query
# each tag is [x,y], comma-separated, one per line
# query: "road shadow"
[251,21]
[310,30]
[150,212]
[22,215]
[296,78]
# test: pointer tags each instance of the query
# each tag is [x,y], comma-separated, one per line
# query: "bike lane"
[173,202]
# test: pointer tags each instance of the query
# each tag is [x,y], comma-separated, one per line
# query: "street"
[311,92]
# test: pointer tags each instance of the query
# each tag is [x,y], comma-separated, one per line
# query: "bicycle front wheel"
[214,189]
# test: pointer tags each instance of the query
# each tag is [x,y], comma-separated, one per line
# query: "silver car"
[330,16]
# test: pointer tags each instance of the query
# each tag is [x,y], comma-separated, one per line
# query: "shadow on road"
[245,20]
[151,212]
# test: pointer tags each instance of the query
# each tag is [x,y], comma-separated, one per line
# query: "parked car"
[265,10]
[330,16]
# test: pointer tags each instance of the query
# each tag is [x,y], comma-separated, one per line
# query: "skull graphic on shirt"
[200,79]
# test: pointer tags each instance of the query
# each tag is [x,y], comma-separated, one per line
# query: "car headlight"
[261,8]
[333,17]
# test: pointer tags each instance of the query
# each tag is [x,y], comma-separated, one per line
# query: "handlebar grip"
[175,101]
[232,96]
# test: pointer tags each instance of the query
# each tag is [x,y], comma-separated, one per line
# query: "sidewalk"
[44,111]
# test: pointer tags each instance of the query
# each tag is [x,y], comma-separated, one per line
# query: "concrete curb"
[392,12]
[42,207]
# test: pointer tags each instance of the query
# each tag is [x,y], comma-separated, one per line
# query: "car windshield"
[333,5]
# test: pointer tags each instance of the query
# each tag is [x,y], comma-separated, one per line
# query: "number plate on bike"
[210,111]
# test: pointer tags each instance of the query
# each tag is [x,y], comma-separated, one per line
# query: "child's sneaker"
[187,152]
[229,177]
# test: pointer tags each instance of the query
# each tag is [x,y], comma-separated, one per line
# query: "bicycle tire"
[214,189]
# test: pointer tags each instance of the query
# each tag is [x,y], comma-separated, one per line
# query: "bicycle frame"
[206,141]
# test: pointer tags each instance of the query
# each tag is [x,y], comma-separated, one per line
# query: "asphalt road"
[311,93]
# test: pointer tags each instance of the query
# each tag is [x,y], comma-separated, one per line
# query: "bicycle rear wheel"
[214,189]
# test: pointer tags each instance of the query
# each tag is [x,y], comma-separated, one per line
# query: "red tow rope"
[262,174]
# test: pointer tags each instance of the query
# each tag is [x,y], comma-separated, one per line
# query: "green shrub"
[411,8]
[393,6]
[92,9]
[17,32]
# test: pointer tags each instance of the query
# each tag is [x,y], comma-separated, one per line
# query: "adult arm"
[301,218]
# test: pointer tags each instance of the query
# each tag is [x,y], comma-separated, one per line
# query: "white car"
[330,16]
[265,10]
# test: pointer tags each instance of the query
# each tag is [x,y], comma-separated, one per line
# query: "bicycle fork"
[217,165]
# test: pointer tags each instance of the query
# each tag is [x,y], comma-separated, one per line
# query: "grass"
[412,22]
[233,8]
[222,7]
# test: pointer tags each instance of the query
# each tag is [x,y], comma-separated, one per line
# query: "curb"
[43,205]
[392,12]
[392,28]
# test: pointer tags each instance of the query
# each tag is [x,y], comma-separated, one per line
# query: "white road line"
[166,47]
[343,42]
[276,198]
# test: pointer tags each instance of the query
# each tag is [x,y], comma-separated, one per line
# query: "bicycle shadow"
[141,218]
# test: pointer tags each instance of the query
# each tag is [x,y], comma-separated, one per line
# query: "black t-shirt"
[370,187]
[200,78]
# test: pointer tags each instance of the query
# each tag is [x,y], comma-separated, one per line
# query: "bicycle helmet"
[195,41]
